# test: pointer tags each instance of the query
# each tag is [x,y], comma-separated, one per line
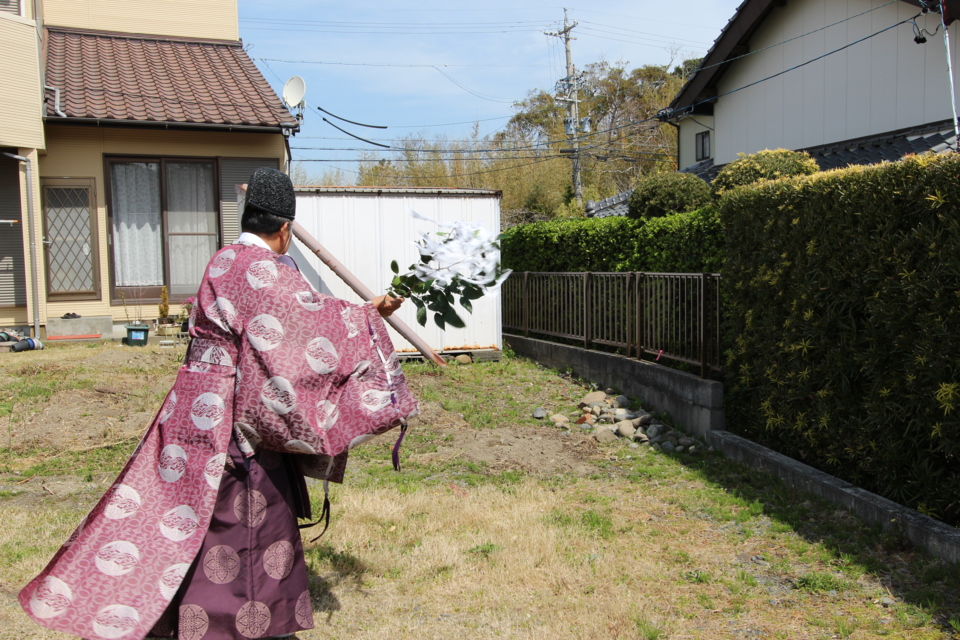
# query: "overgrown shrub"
[844,312]
[767,164]
[687,242]
[660,194]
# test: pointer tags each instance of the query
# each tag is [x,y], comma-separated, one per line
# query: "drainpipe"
[56,100]
[677,127]
[33,242]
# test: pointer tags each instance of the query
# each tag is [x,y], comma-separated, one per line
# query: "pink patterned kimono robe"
[274,369]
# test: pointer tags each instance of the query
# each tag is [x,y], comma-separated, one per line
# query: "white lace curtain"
[137,228]
[191,209]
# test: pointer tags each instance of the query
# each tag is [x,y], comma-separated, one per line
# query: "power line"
[391,64]
[634,123]
[656,44]
[809,33]
[456,175]
[746,86]
[398,33]
[646,36]
[656,35]
[334,23]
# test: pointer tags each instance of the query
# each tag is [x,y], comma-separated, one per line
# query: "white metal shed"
[368,227]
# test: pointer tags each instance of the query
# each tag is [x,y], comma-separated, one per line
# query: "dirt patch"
[72,398]
[538,450]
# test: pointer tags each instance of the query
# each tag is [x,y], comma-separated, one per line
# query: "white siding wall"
[366,231]
[689,128]
[885,83]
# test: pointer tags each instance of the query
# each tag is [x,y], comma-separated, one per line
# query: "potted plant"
[137,330]
[166,326]
[186,307]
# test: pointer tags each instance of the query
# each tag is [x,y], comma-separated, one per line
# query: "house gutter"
[33,242]
[155,124]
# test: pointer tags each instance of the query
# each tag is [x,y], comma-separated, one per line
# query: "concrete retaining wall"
[936,537]
[696,404]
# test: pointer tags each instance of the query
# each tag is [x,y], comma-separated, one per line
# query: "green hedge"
[685,242]
[843,294]
[769,164]
[661,194]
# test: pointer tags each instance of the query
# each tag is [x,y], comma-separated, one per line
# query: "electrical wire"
[334,23]
[398,33]
[804,35]
[391,64]
[651,37]
[645,33]
[455,175]
[953,91]
[587,137]
[359,124]
[656,44]
[692,106]
[386,146]
[470,91]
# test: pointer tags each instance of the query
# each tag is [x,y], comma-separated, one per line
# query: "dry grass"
[646,546]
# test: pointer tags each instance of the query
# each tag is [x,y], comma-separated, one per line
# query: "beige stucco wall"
[214,19]
[885,83]
[78,152]
[21,96]
[689,128]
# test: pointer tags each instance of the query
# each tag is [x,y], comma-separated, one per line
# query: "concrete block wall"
[696,404]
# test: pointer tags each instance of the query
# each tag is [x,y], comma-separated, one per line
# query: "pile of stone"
[608,417]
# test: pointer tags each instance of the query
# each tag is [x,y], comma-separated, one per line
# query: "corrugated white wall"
[885,83]
[366,231]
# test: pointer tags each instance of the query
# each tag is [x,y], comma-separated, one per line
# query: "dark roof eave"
[155,124]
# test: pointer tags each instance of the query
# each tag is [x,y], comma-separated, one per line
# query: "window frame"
[91,185]
[151,294]
[699,139]
[21,9]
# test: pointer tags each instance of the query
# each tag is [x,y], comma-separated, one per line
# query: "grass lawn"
[499,525]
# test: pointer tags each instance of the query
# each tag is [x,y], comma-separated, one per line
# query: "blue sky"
[438,67]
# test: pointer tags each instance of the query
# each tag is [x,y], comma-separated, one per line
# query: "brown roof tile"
[149,78]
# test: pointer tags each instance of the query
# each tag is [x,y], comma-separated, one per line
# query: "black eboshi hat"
[271,191]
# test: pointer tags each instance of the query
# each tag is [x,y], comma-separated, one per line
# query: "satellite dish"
[293,91]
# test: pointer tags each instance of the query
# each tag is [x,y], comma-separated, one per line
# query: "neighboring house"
[138,118]
[879,99]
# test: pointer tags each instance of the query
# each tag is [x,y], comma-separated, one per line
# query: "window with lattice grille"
[70,240]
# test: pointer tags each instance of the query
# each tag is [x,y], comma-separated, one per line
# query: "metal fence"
[660,315]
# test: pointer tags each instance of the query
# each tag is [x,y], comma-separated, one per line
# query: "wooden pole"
[361,290]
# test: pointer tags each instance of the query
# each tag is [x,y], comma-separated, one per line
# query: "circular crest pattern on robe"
[258,324]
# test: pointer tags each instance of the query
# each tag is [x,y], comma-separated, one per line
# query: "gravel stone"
[596,396]
[625,429]
[604,435]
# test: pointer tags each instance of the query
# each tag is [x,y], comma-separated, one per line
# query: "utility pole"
[570,87]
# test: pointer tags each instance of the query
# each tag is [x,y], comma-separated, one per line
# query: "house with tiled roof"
[853,82]
[127,125]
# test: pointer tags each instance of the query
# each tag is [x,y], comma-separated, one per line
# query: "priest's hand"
[386,305]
